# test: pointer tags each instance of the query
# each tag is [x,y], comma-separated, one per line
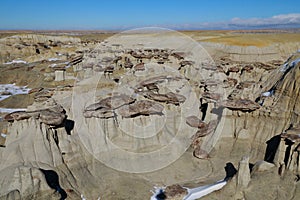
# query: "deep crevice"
[272,146]
[69,126]
[287,152]
[230,171]
[52,180]
[203,109]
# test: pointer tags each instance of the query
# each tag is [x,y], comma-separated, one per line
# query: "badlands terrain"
[150,114]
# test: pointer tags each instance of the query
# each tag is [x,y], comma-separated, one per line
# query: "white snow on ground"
[3,135]
[295,62]
[55,64]
[157,191]
[284,67]
[53,59]
[10,110]
[268,93]
[82,197]
[194,193]
[292,64]
[199,192]
[67,66]
[7,90]
[15,61]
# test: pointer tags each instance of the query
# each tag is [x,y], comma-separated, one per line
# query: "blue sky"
[118,14]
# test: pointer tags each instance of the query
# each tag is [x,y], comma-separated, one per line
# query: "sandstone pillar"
[60,75]
[243,176]
[279,156]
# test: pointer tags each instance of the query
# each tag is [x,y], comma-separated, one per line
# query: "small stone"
[175,192]
[261,166]
[200,153]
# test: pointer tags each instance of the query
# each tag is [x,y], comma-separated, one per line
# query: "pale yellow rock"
[243,174]
[261,166]
[86,157]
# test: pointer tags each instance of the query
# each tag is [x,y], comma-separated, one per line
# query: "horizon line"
[175,29]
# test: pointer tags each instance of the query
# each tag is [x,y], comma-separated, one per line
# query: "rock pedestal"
[60,75]
[279,156]
[243,176]
[287,155]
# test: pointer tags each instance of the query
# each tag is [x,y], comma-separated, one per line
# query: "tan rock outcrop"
[200,153]
[118,129]
[142,107]
[111,103]
[194,121]
[243,174]
[261,166]
[241,104]
[175,192]
[169,97]
[54,116]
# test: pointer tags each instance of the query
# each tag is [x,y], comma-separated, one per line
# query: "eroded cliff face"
[141,115]
[265,54]
[34,47]
[270,133]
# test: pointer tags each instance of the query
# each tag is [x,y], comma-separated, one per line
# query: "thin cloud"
[291,20]
[275,20]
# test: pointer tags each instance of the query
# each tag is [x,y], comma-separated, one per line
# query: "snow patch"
[11,110]
[157,191]
[67,66]
[15,61]
[194,193]
[64,63]
[82,197]
[3,135]
[268,93]
[295,62]
[7,90]
[284,67]
[53,59]
[287,66]
[199,192]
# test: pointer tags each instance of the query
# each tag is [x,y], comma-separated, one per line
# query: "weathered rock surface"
[206,129]
[261,166]
[142,107]
[111,103]
[51,116]
[243,174]
[194,121]
[147,108]
[241,104]
[169,97]
[175,192]
[200,153]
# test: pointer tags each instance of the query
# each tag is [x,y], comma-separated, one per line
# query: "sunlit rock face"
[151,109]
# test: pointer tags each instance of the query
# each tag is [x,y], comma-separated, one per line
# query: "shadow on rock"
[52,180]
[272,146]
[69,126]
[230,171]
